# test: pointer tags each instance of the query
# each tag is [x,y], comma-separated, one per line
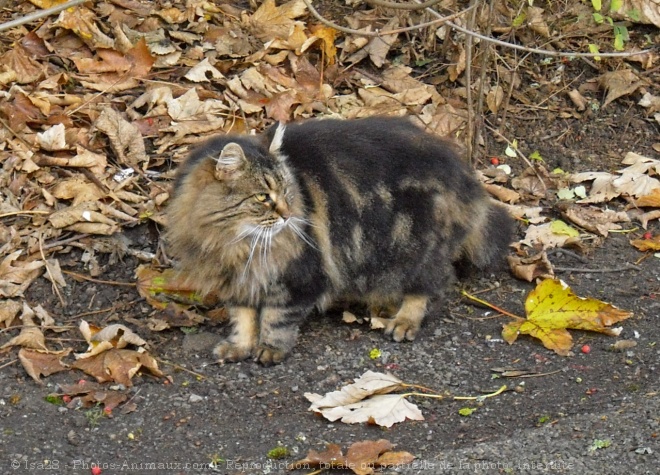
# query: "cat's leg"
[243,338]
[408,319]
[278,333]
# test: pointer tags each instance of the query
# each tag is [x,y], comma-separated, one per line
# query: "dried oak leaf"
[125,138]
[83,218]
[550,235]
[31,335]
[89,394]
[8,311]
[17,65]
[270,21]
[362,457]
[596,220]
[82,21]
[16,276]
[366,400]
[203,72]
[619,83]
[102,339]
[95,162]
[532,267]
[552,308]
[117,365]
[40,363]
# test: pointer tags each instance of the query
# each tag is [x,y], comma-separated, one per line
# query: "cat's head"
[238,189]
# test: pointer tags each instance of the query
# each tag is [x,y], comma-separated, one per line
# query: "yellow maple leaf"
[552,308]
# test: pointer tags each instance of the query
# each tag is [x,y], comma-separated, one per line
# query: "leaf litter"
[85,146]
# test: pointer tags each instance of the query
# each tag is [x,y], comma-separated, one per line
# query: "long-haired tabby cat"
[372,210]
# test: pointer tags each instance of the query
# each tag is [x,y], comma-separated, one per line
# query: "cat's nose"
[282,209]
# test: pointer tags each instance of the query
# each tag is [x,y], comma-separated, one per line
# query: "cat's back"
[375,151]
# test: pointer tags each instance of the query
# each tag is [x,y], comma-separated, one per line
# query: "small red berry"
[96,470]
[586,349]
[495,161]
[66,398]
[107,411]
[648,235]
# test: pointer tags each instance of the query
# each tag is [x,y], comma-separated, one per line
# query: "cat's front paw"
[402,328]
[227,351]
[269,356]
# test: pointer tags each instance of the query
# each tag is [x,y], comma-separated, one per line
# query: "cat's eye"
[262,197]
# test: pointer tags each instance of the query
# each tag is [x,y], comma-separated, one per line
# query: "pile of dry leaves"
[100,101]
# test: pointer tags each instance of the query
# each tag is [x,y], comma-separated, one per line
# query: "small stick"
[40,14]
[18,213]
[490,305]
[179,367]
[8,364]
[612,269]
[568,253]
[98,281]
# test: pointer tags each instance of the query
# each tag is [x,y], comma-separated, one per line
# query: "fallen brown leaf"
[40,363]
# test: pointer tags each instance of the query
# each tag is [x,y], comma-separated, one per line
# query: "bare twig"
[97,281]
[181,368]
[606,269]
[403,6]
[537,50]
[8,364]
[559,250]
[40,14]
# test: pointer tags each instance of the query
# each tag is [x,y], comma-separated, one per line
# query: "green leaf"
[634,14]
[598,18]
[565,194]
[618,42]
[615,5]
[375,353]
[511,149]
[593,49]
[600,444]
[560,227]
[466,411]
[519,20]
[597,4]
[536,155]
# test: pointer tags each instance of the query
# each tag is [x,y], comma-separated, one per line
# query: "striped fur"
[371,210]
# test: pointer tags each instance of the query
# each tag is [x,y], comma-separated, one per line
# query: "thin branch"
[40,14]
[98,281]
[403,6]
[537,50]
[490,305]
[612,269]
[352,31]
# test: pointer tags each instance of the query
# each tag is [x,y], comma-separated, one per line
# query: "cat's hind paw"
[227,351]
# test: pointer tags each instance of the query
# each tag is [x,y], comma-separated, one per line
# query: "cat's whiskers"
[292,222]
[256,237]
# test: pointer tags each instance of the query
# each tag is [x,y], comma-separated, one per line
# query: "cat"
[370,210]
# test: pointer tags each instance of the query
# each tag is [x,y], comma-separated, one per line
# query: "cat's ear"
[230,162]
[275,136]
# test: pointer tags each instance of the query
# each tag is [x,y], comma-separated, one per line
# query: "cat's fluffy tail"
[487,242]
